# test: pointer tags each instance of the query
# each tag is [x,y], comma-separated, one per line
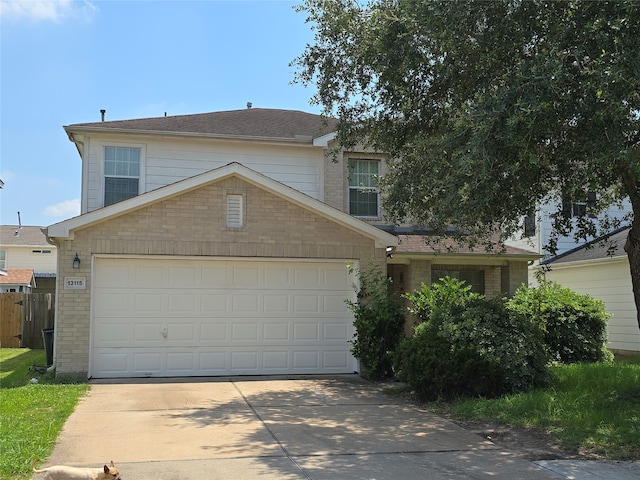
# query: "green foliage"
[590,408]
[447,292]
[574,325]
[493,107]
[379,323]
[470,346]
[32,414]
[488,108]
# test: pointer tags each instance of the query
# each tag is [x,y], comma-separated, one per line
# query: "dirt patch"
[527,443]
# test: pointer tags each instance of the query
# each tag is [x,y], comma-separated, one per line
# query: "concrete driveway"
[264,428]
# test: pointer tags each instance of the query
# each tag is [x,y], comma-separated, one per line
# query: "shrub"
[379,324]
[446,293]
[574,325]
[469,346]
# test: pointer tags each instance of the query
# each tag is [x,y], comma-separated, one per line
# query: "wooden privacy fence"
[23,316]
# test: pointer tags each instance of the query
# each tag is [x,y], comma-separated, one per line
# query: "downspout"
[51,241]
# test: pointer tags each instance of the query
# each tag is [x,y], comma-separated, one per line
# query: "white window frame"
[360,187]
[141,166]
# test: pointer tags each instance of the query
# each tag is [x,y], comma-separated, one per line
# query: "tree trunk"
[632,247]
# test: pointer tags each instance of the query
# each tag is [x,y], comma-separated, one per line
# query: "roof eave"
[302,139]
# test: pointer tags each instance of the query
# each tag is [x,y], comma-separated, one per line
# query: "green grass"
[32,415]
[593,409]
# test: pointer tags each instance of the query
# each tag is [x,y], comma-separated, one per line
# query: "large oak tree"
[492,108]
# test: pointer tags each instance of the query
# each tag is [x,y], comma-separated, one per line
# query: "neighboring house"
[537,229]
[17,280]
[602,271]
[27,247]
[217,244]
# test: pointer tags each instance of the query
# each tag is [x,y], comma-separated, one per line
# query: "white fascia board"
[495,259]
[324,140]
[65,229]
[162,133]
[586,263]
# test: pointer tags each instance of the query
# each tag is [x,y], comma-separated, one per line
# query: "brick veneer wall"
[194,224]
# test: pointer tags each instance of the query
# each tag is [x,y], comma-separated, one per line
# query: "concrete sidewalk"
[315,428]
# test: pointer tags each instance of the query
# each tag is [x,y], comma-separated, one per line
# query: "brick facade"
[193,225]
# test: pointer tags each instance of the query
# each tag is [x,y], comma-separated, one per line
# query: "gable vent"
[234,211]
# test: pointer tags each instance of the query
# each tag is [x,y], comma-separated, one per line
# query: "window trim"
[142,167]
[376,189]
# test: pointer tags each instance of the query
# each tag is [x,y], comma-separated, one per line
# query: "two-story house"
[217,244]
[26,248]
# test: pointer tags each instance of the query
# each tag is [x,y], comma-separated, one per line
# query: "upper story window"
[3,259]
[364,195]
[121,173]
[578,207]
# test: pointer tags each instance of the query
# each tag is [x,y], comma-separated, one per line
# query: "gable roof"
[66,228]
[257,123]
[598,249]
[26,236]
[18,276]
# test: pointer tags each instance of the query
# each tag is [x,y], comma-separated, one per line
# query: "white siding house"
[590,270]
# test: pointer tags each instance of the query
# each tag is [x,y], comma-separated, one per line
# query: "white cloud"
[68,208]
[54,10]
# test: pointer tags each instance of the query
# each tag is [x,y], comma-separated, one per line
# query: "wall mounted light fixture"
[76,262]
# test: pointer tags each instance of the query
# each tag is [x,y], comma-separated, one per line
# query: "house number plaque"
[75,283]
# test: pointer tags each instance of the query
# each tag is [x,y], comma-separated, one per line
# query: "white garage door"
[184,317]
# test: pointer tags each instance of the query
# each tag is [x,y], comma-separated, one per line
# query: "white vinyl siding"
[610,281]
[166,161]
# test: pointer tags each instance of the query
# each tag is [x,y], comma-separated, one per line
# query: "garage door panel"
[138,275]
[214,303]
[277,332]
[183,302]
[274,303]
[149,302]
[246,302]
[220,317]
[214,333]
[114,303]
[184,276]
[306,331]
[181,332]
[244,362]
[245,332]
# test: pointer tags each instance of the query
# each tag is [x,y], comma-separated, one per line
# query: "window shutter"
[234,211]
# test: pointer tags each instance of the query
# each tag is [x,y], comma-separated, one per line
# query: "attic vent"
[234,211]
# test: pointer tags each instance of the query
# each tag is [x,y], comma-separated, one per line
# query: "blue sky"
[61,61]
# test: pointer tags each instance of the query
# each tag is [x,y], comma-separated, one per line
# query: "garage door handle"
[164,332]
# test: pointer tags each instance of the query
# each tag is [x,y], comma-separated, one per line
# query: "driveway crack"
[273,435]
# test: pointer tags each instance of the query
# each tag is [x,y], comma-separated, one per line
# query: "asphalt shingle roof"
[17,276]
[31,236]
[416,243]
[250,122]
[599,248]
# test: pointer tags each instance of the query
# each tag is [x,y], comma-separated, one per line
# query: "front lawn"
[591,409]
[32,413]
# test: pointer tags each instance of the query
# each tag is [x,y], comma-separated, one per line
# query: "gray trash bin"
[47,339]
